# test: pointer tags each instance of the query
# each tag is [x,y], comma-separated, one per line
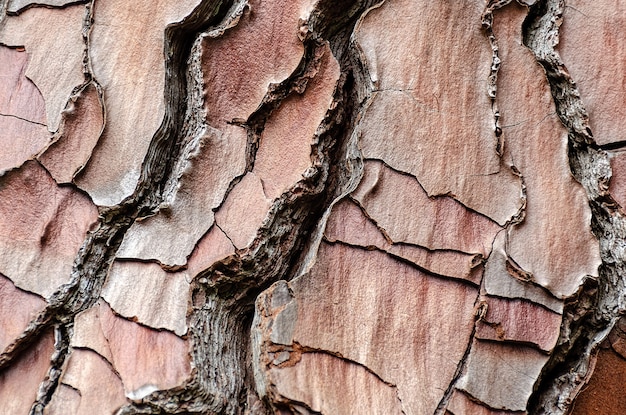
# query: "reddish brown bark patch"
[604,394]
[399,204]
[99,387]
[42,227]
[81,125]
[407,327]
[17,309]
[519,321]
[23,131]
[592,43]
[19,382]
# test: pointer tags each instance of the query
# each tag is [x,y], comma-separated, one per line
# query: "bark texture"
[312,207]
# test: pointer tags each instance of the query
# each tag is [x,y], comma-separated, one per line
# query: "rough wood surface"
[249,207]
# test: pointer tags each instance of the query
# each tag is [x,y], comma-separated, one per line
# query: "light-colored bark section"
[99,387]
[162,303]
[145,359]
[220,158]
[243,211]
[19,383]
[285,147]
[162,300]
[414,218]
[592,42]
[17,308]
[126,54]
[19,96]
[55,62]
[283,156]
[499,280]
[82,123]
[263,49]
[330,385]
[519,321]
[461,404]
[335,300]
[557,220]
[42,228]
[441,127]
[66,400]
[23,131]
[501,375]
[348,223]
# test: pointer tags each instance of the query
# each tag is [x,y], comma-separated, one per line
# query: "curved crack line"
[312,350]
[17,117]
[11,11]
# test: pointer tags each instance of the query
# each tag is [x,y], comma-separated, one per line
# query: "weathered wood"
[311,207]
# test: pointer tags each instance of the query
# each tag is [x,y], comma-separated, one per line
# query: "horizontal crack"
[14,12]
[616,145]
[23,119]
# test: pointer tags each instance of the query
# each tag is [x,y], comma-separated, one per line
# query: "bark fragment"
[55,74]
[515,367]
[330,317]
[82,123]
[327,384]
[591,43]
[23,131]
[162,301]
[98,386]
[19,383]
[462,404]
[347,223]
[452,137]
[17,309]
[413,218]
[519,321]
[127,61]
[145,359]
[536,143]
[40,239]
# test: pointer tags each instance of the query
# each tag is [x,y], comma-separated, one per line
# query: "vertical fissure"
[591,313]
[221,380]
[94,258]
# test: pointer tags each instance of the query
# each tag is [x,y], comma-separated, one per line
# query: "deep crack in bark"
[591,313]
[221,380]
[97,252]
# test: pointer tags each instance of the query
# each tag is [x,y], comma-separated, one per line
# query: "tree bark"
[312,207]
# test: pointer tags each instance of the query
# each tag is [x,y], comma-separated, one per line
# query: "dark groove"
[617,145]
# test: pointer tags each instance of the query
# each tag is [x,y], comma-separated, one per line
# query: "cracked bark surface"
[312,207]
